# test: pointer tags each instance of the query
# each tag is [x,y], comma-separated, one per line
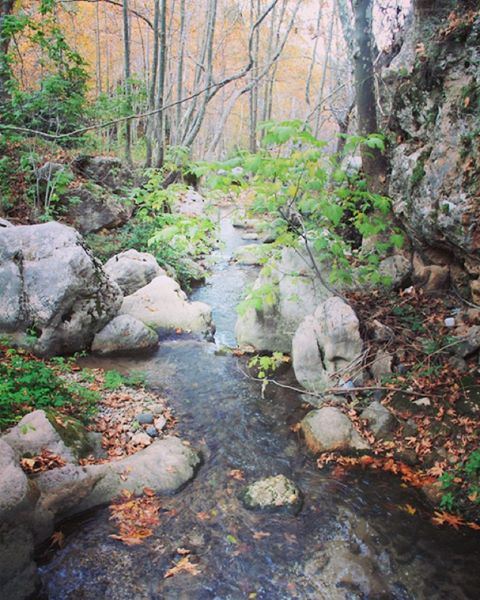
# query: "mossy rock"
[273,494]
[72,432]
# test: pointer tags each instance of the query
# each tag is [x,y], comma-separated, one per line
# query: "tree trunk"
[162,62]
[127,74]
[153,86]
[374,163]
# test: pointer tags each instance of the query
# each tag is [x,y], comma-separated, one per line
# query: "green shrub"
[27,383]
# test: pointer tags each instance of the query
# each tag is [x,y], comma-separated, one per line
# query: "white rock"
[327,346]
[449,322]
[163,305]
[330,430]
[132,270]
[124,333]
[423,402]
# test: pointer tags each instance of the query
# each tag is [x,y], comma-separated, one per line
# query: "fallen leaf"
[259,535]
[183,565]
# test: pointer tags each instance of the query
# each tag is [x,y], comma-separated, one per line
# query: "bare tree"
[6,8]
[127,75]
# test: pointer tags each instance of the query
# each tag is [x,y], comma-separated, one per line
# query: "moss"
[72,431]
[418,174]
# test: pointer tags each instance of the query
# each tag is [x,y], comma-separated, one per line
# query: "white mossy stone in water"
[330,430]
[132,270]
[273,493]
[124,333]
[252,254]
[327,346]
[163,305]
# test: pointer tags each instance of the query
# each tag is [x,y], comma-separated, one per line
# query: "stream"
[351,540]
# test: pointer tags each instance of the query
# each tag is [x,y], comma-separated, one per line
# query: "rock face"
[327,346]
[123,334]
[106,171]
[283,295]
[273,493]
[55,294]
[163,305]
[329,430]
[132,270]
[91,208]
[435,111]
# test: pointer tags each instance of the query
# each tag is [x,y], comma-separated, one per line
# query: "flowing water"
[351,540]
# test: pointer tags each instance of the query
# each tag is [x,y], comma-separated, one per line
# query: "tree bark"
[153,86]
[162,62]
[127,75]
[374,163]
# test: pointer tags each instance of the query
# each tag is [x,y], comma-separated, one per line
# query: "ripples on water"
[350,541]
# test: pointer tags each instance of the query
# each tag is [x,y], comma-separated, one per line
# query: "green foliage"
[461,488]
[27,384]
[312,197]
[57,103]
[267,364]
[114,380]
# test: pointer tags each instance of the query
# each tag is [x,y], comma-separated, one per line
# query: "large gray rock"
[106,171]
[330,430]
[273,493]
[91,208]
[132,270]
[282,296]
[165,466]
[123,334]
[35,433]
[17,569]
[14,487]
[163,305]
[55,294]
[327,346]
[380,420]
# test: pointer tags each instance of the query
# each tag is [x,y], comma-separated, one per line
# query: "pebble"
[157,409]
[423,402]
[449,322]
[145,419]
[141,439]
[160,422]
[151,431]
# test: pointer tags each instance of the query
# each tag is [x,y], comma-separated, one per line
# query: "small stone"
[145,419]
[250,236]
[380,420]
[151,431]
[382,365]
[141,439]
[381,332]
[423,402]
[157,409]
[449,322]
[402,369]
[160,422]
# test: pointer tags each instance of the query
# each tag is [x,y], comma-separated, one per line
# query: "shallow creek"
[351,539]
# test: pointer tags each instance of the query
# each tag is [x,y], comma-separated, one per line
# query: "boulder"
[123,334]
[273,493]
[55,294]
[18,577]
[469,343]
[132,270]
[14,487]
[35,433]
[163,305]
[327,346]
[382,365]
[48,171]
[91,208]
[396,269]
[380,420]
[252,254]
[106,171]
[165,466]
[5,223]
[330,430]
[282,296]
